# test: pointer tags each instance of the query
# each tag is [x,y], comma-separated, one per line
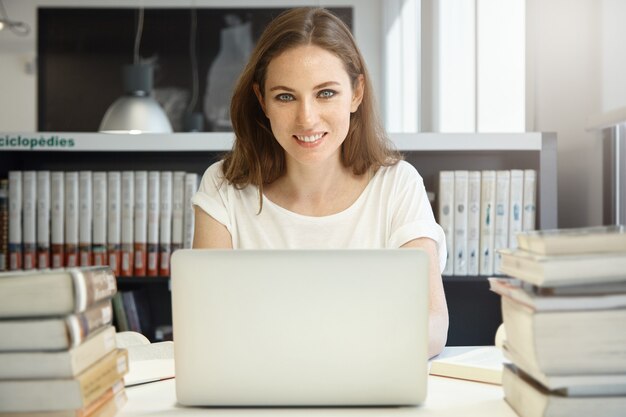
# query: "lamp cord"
[194,61]
[138,36]
[17,28]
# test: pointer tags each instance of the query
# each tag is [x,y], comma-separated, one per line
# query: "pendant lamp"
[136,111]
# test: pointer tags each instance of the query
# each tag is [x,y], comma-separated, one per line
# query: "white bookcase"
[474,311]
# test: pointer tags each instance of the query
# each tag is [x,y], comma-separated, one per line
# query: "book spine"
[71,219]
[57,219]
[446,216]
[473,223]
[29,231]
[165,224]
[178,209]
[97,379]
[92,285]
[141,223]
[191,186]
[15,220]
[4,225]
[153,222]
[99,218]
[529,199]
[114,220]
[82,325]
[43,219]
[501,233]
[515,206]
[85,217]
[487,220]
[120,317]
[132,314]
[107,405]
[128,213]
[461,184]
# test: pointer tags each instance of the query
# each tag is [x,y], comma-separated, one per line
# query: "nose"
[307,113]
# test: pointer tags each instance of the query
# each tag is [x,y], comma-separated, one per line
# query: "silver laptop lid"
[300,327]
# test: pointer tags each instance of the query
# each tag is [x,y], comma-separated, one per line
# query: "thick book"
[446,216]
[99,247]
[57,219]
[114,219]
[50,292]
[461,185]
[85,217]
[545,300]
[15,220]
[530,200]
[127,215]
[516,201]
[4,224]
[191,186]
[154,199]
[483,364]
[567,342]
[141,223]
[72,214]
[583,240]
[473,223]
[54,332]
[501,221]
[29,220]
[106,405]
[57,364]
[165,223]
[560,270]
[65,393]
[578,385]
[43,219]
[487,221]
[530,399]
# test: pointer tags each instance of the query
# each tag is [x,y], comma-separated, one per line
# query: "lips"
[310,138]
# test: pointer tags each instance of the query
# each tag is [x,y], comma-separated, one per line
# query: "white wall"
[565,75]
[613,36]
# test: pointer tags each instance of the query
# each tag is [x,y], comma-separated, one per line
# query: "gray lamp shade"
[135,114]
[136,111]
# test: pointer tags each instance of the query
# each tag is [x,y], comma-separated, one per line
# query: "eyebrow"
[322,85]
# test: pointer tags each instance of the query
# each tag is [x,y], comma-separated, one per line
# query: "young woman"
[311,166]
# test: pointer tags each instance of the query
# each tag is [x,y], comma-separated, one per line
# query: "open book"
[482,364]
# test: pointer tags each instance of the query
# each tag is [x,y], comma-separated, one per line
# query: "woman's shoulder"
[400,170]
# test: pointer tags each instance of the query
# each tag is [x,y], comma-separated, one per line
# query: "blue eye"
[326,93]
[284,97]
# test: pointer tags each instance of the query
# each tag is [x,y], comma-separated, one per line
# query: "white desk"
[446,397]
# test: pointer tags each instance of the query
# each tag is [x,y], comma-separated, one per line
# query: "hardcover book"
[49,292]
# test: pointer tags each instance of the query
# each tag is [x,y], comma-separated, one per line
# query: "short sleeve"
[413,216]
[212,195]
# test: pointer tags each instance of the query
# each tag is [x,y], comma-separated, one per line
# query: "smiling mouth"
[309,138]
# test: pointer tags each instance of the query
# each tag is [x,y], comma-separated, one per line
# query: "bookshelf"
[474,311]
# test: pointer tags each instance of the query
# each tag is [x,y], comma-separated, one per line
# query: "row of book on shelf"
[131,220]
[564,311]
[59,354]
[481,212]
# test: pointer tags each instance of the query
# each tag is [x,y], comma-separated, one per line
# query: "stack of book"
[565,319]
[58,354]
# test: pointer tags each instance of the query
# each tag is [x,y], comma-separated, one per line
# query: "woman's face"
[308,98]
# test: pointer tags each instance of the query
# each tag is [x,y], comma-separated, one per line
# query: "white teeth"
[310,138]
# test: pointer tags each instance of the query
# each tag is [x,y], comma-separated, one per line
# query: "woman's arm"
[437,308]
[209,233]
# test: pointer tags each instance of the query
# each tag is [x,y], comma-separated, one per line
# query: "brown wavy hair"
[257,158]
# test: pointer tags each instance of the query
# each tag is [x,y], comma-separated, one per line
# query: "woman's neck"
[316,191]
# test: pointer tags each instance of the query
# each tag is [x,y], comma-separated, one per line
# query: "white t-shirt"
[392,210]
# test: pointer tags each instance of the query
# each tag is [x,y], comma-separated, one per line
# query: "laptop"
[300,327]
